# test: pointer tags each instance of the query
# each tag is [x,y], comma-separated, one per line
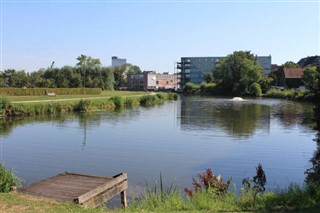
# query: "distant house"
[150,80]
[290,77]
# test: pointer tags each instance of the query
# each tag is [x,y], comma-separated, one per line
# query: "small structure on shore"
[87,190]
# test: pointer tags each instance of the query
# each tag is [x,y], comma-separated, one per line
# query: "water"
[178,139]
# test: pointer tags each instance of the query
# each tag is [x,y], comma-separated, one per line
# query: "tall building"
[115,61]
[192,69]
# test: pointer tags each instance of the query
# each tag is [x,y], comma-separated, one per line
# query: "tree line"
[87,73]
[241,74]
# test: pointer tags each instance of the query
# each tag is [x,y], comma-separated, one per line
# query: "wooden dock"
[87,190]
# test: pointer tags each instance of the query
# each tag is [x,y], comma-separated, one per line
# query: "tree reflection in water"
[313,173]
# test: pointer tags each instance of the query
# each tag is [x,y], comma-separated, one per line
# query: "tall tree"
[237,72]
[309,78]
[86,63]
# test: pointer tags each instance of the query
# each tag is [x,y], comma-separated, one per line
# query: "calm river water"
[178,139]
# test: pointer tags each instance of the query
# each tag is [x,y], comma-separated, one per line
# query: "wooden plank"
[118,179]
[124,199]
[101,198]
[87,175]
[88,190]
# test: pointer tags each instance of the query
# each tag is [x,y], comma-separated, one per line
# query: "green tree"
[132,69]
[237,72]
[208,77]
[107,78]
[85,63]
[309,77]
[290,64]
[19,79]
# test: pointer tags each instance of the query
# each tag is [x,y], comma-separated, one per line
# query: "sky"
[154,34]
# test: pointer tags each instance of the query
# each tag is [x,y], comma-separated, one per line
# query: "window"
[157,82]
[167,82]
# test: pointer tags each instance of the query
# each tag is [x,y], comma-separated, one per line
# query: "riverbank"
[113,100]
[292,199]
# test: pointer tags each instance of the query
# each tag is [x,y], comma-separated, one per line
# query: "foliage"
[208,88]
[266,81]
[208,77]
[309,78]
[209,182]
[87,73]
[259,181]
[8,179]
[158,197]
[148,100]
[255,90]
[191,88]
[290,64]
[292,94]
[237,72]
[4,106]
[118,101]
[82,106]
[120,73]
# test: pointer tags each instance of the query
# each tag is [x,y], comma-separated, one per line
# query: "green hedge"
[41,91]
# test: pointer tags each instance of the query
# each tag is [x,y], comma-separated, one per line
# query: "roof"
[293,72]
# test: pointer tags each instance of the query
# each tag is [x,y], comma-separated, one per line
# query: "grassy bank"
[292,199]
[293,94]
[38,105]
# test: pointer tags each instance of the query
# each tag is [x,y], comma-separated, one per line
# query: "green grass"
[108,100]
[104,94]
[16,202]
[160,198]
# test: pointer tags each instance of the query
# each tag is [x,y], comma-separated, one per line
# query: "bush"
[4,103]
[82,106]
[210,88]
[118,101]
[209,182]
[255,90]
[191,88]
[148,100]
[8,180]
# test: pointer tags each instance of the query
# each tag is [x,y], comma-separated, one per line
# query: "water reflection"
[240,119]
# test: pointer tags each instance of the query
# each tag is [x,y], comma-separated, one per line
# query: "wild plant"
[259,181]
[208,182]
[8,180]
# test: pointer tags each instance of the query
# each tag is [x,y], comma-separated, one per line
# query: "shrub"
[255,90]
[161,96]
[191,88]
[8,179]
[118,101]
[210,88]
[210,183]
[4,104]
[172,96]
[259,181]
[148,100]
[82,106]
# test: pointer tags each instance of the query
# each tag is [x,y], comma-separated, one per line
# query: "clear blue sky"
[154,34]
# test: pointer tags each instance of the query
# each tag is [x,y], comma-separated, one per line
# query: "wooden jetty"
[87,190]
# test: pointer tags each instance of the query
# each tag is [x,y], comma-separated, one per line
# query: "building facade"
[150,80]
[115,61]
[193,69]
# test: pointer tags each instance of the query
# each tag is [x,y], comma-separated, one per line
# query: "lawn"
[104,94]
